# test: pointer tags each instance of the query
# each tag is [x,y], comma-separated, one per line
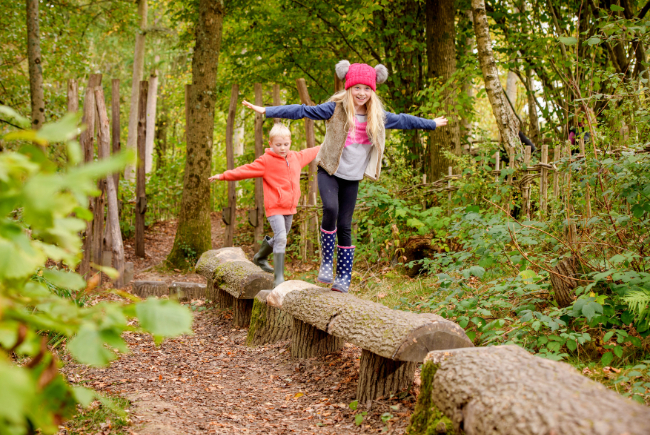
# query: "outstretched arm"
[296,111]
[251,170]
[410,122]
[306,156]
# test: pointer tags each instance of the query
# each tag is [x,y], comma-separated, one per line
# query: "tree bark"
[73,96]
[241,312]
[223,300]
[152,99]
[116,144]
[533,131]
[381,377]
[441,56]
[258,222]
[564,287]
[144,289]
[308,341]
[193,234]
[140,188]
[507,391]
[507,122]
[138,72]
[231,210]
[35,63]
[268,324]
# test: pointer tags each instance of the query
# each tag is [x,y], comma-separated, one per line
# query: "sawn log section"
[505,390]
[392,334]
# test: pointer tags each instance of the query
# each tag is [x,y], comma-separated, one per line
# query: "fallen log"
[504,390]
[232,278]
[144,289]
[393,341]
[268,324]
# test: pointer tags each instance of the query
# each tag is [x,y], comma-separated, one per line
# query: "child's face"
[280,145]
[361,94]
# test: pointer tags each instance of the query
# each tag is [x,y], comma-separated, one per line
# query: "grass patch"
[99,418]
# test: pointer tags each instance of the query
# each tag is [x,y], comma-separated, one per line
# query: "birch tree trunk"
[193,233]
[138,71]
[152,99]
[441,54]
[511,87]
[533,131]
[506,120]
[35,65]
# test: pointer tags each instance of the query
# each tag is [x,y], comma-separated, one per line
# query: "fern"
[638,301]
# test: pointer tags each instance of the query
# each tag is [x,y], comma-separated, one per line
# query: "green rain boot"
[278,265]
[261,259]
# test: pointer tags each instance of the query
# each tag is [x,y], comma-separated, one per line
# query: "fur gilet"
[336,132]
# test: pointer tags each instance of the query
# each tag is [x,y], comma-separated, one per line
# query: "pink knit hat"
[361,74]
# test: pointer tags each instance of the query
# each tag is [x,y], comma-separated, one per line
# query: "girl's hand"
[215,178]
[441,122]
[258,109]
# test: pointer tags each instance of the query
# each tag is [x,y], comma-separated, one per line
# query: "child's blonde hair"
[376,115]
[279,129]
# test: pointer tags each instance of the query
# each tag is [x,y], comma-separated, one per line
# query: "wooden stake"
[113,221]
[557,154]
[497,167]
[543,183]
[276,101]
[303,92]
[259,150]
[587,192]
[525,190]
[140,192]
[450,172]
[73,95]
[231,210]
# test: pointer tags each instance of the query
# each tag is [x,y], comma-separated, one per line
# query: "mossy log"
[144,289]
[187,291]
[505,390]
[228,269]
[268,324]
[241,312]
[308,341]
[393,334]
[381,377]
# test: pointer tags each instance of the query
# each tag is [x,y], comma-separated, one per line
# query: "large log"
[268,324]
[231,271]
[504,390]
[145,289]
[276,297]
[393,334]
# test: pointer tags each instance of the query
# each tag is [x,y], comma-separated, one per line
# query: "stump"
[268,324]
[241,312]
[381,377]
[308,341]
[145,289]
[187,291]
[505,390]
[223,300]
[563,287]
[417,248]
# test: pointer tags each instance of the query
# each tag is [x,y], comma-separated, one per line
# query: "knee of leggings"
[279,244]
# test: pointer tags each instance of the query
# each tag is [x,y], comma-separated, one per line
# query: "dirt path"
[211,382]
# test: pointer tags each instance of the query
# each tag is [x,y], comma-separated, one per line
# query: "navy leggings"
[339,197]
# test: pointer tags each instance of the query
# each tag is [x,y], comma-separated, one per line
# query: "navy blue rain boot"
[326,272]
[344,260]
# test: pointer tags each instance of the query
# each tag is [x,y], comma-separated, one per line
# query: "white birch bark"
[151,121]
[511,88]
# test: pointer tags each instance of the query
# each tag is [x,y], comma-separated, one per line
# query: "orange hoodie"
[280,176]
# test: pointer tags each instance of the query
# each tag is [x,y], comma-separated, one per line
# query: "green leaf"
[84,396]
[607,358]
[18,391]
[618,351]
[590,309]
[616,8]
[88,348]
[67,280]
[11,113]
[354,405]
[594,40]
[415,223]
[164,318]
[571,345]
[477,271]
[608,336]
[568,40]
[61,130]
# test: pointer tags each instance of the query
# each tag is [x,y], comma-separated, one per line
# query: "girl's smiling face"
[360,94]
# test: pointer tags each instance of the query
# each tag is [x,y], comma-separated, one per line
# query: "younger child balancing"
[280,171]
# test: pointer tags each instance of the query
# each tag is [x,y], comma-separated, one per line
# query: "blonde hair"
[279,129]
[376,115]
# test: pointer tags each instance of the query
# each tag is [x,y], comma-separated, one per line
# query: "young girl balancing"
[353,147]
[280,172]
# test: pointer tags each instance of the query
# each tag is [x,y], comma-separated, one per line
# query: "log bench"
[504,390]
[233,281]
[393,342]
[183,291]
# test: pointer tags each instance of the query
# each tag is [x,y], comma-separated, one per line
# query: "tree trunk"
[506,120]
[138,71]
[231,210]
[381,377]
[152,98]
[140,188]
[116,145]
[144,289]
[511,88]
[73,96]
[268,324]
[308,341]
[564,287]
[258,221]
[35,65]
[193,234]
[241,312]
[533,131]
[223,299]
[441,55]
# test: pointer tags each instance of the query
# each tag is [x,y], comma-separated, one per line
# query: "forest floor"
[211,382]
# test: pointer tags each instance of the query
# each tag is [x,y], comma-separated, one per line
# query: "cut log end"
[381,377]
[308,341]
[439,335]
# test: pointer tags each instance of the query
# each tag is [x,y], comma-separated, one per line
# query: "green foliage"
[41,214]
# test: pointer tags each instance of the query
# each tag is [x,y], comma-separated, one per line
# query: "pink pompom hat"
[361,74]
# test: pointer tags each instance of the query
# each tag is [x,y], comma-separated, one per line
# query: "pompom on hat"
[361,74]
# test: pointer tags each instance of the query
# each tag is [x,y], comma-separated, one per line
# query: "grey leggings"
[281,225]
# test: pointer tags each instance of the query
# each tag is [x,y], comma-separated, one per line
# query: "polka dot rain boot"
[326,273]
[344,260]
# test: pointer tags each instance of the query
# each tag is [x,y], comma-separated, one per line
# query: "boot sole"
[323,281]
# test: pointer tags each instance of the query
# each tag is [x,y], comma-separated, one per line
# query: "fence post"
[497,167]
[258,221]
[557,153]
[587,192]
[543,183]
[140,191]
[276,101]
[229,214]
[525,187]
[450,173]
